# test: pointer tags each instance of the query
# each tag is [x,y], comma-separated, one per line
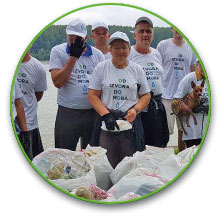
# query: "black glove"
[117,114]
[110,122]
[25,140]
[201,108]
[77,47]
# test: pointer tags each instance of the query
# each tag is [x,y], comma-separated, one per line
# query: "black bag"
[156,132]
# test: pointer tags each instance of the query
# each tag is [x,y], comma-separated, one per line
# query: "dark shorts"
[190,143]
[35,146]
[72,124]
[118,145]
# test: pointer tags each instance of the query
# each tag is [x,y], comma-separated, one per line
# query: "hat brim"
[116,38]
[68,32]
[106,28]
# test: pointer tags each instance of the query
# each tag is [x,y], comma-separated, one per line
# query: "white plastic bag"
[129,164]
[80,163]
[123,125]
[173,165]
[102,166]
[134,180]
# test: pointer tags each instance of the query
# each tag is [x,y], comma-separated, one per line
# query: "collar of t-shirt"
[87,53]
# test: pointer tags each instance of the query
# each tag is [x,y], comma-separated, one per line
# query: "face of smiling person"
[119,50]
[143,35]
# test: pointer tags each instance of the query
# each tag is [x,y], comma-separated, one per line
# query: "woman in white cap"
[118,90]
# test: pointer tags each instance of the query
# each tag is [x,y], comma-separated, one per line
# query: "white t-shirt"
[119,86]
[31,78]
[108,56]
[176,64]
[184,88]
[17,94]
[74,94]
[152,66]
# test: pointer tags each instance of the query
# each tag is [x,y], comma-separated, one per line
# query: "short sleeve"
[95,80]
[17,94]
[41,84]
[55,60]
[183,89]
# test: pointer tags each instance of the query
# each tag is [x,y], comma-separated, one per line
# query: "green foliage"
[56,34]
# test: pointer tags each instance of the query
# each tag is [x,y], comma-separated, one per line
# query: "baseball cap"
[118,35]
[144,19]
[99,25]
[76,27]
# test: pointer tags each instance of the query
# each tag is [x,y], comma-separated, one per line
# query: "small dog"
[183,107]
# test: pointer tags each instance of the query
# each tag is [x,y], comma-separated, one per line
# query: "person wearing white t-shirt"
[18,114]
[194,132]
[118,90]
[100,35]
[154,118]
[31,78]
[71,66]
[178,60]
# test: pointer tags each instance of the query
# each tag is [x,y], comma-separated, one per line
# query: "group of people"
[113,82]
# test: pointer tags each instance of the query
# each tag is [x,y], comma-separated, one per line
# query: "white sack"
[80,164]
[134,180]
[144,159]
[102,166]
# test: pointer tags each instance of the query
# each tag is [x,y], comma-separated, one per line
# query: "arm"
[141,104]
[61,77]
[95,101]
[20,114]
[39,95]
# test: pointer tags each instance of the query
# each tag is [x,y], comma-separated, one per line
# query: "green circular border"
[29,46]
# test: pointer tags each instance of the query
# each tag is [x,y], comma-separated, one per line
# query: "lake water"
[47,109]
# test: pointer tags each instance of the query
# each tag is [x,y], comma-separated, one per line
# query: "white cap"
[99,25]
[118,35]
[76,27]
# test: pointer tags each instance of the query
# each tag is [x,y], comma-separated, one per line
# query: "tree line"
[56,34]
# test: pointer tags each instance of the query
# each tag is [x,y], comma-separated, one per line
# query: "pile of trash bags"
[89,175]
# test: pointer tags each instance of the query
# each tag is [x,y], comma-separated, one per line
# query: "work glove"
[117,114]
[77,47]
[202,109]
[25,140]
[110,122]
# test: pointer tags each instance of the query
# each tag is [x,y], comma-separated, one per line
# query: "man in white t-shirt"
[31,78]
[154,118]
[194,132]
[18,114]
[178,60]
[101,35]
[71,66]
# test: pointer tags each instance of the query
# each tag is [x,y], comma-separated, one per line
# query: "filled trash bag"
[102,166]
[65,168]
[131,182]
[92,193]
[149,158]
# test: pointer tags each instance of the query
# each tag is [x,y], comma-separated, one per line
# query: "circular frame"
[96,5]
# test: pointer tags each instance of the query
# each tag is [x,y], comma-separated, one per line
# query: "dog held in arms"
[183,107]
